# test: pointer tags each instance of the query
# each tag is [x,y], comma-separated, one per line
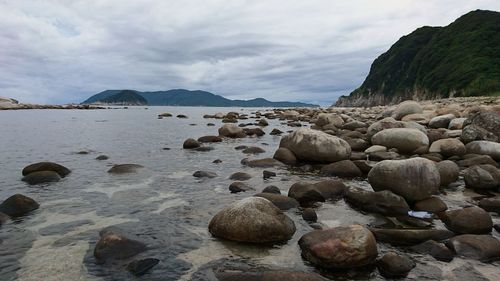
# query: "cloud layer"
[64,51]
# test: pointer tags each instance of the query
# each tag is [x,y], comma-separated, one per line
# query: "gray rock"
[405,140]
[343,169]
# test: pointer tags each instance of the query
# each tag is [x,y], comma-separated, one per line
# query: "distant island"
[458,60]
[181,97]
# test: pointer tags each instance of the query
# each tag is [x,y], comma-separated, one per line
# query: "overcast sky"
[309,50]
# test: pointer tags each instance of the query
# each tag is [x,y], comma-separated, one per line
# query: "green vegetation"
[461,59]
[125,97]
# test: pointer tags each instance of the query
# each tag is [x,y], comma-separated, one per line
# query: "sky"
[310,50]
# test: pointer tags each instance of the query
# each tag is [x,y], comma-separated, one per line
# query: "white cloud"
[64,51]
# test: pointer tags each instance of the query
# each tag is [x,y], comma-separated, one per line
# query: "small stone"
[268,174]
[309,215]
[102,157]
[190,144]
[141,267]
[271,189]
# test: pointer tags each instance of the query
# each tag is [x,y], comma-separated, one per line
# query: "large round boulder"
[253,220]
[448,172]
[41,177]
[486,177]
[484,148]
[343,169]
[316,146]
[18,205]
[339,247]
[407,108]
[231,131]
[394,265]
[471,220]
[442,121]
[405,140]
[285,156]
[190,144]
[414,179]
[329,118]
[448,147]
[383,202]
[281,201]
[46,166]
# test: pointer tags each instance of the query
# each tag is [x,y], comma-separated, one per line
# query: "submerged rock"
[414,179]
[253,220]
[113,244]
[264,163]
[41,177]
[316,146]
[253,150]
[46,166]
[102,157]
[125,168]
[204,174]
[141,267]
[339,247]
[18,205]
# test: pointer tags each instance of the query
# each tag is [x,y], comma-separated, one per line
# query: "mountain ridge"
[183,97]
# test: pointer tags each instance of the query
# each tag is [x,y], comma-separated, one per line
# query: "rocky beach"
[403,191]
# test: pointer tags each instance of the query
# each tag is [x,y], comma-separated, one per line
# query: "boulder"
[410,236]
[375,148]
[41,177]
[254,131]
[268,174]
[141,267]
[275,132]
[18,205]
[485,248]
[448,172]
[3,219]
[435,249]
[271,189]
[470,220]
[414,179]
[490,204]
[476,133]
[476,160]
[309,215]
[307,193]
[125,168]
[382,202]
[442,121]
[393,265]
[231,131]
[210,139]
[239,186]
[102,157]
[285,156]
[343,169]
[448,147]
[432,205]
[240,176]
[204,174]
[253,220]
[339,247]
[280,201]
[407,108]
[190,144]
[253,150]
[456,124]
[487,120]
[482,177]
[329,118]
[316,146]
[403,139]
[263,123]
[484,148]
[113,244]
[46,166]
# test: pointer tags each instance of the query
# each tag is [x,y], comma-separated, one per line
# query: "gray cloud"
[60,51]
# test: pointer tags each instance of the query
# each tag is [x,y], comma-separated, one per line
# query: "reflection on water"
[163,205]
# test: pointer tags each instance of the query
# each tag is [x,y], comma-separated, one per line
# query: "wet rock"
[210,124]
[3,218]
[414,179]
[271,189]
[484,148]
[442,121]
[125,168]
[448,172]
[253,150]
[253,220]
[432,205]
[41,177]
[141,267]
[210,139]
[480,247]
[182,116]
[285,156]
[238,186]
[393,265]
[490,204]
[276,132]
[316,146]
[343,169]
[264,163]
[102,157]
[240,176]
[407,108]
[241,147]
[364,165]
[190,144]
[263,123]
[339,247]
[280,201]
[217,161]
[382,202]
[435,249]
[18,205]
[307,193]
[46,166]
[268,174]
[231,131]
[482,177]
[471,220]
[448,147]
[114,244]
[204,148]
[165,114]
[254,131]
[309,215]
[405,140]
[204,174]
[410,236]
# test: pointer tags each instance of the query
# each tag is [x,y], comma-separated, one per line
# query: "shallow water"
[163,204]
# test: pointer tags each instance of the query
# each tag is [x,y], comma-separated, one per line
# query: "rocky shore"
[12,104]
[408,156]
